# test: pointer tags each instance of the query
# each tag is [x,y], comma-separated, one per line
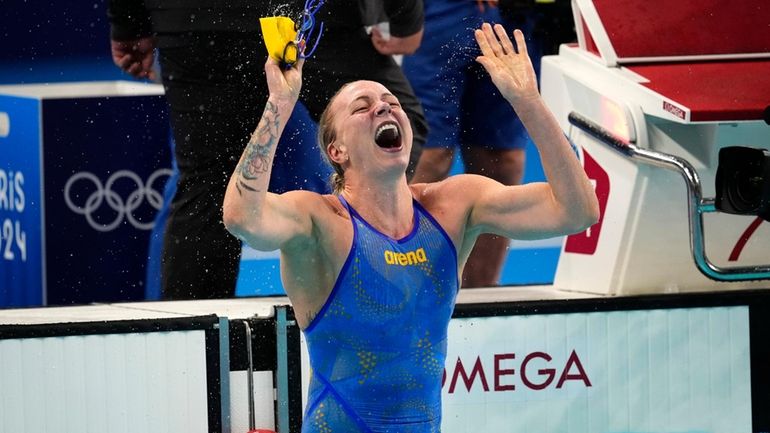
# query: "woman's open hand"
[511,70]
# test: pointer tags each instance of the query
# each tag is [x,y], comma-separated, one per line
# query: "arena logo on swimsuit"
[539,379]
[406,259]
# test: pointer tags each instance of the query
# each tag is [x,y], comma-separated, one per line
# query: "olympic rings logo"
[104,194]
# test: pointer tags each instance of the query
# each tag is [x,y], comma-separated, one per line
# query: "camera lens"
[743,181]
[745,191]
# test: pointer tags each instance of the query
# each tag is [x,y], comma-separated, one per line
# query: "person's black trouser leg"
[216,89]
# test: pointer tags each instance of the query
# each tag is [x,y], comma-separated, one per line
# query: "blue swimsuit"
[378,345]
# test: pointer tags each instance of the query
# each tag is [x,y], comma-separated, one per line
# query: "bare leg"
[434,165]
[485,262]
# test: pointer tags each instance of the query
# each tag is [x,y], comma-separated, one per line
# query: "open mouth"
[388,136]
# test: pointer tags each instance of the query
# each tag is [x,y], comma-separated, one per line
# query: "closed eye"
[390,99]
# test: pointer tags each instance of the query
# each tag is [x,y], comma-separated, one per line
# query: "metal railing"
[696,204]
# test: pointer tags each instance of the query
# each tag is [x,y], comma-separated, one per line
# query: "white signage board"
[651,371]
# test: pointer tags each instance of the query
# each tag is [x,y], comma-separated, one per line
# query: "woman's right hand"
[284,84]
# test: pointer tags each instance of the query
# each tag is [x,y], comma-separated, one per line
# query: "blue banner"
[21,265]
[106,164]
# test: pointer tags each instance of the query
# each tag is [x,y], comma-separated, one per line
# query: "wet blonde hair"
[327,134]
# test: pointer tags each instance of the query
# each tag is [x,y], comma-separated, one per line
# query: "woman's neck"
[387,207]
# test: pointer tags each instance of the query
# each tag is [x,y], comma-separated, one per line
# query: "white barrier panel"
[652,371]
[114,383]
[264,401]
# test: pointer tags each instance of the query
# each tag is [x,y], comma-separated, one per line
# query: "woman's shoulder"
[453,188]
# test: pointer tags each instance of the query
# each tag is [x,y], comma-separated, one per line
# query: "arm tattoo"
[242,184]
[257,155]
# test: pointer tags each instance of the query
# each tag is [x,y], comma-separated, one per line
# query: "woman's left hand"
[511,71]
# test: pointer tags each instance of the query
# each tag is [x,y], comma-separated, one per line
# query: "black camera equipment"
[743,181]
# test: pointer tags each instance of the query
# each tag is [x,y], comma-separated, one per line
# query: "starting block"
[670,84]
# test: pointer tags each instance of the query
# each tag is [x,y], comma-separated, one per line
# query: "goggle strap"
[306,54]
